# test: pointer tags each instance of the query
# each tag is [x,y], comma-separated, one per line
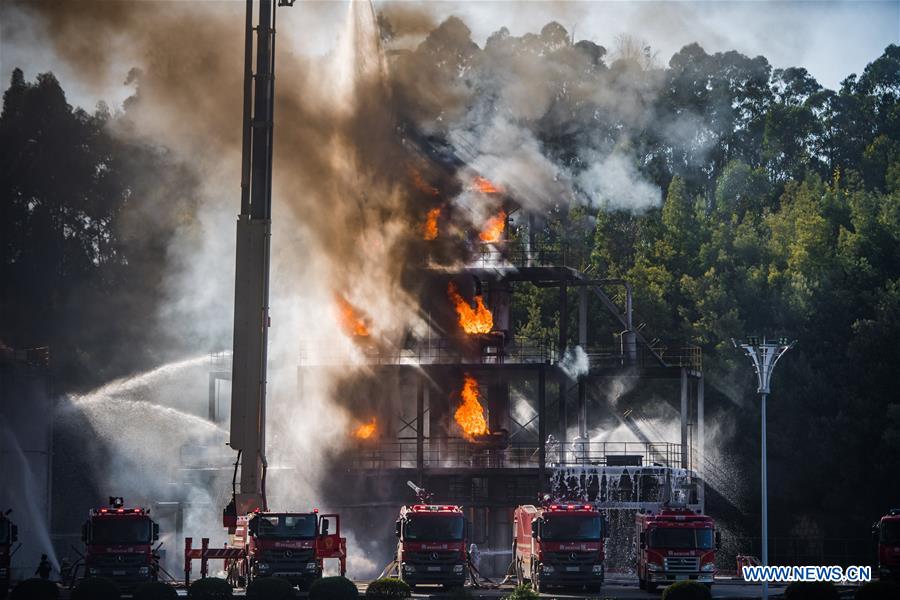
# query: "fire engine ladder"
[204,554]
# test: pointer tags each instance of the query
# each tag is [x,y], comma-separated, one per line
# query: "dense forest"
[781,215]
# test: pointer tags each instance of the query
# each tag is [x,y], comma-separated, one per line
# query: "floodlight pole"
[764,356]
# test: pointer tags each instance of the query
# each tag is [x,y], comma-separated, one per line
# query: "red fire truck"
[887,536]
[119,544]
[559,545]
[9,533]
[676,544]
[431,547]
[290,545]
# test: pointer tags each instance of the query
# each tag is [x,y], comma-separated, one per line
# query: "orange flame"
[351,322]
[366,430]
[484,186]
[421,184]
[430,229]
[493,229]
[472,320]
[470,414]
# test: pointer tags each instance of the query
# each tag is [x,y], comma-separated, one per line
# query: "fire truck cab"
[560,545]
[676,544]
[119,544]
[887,535]
[289,545]
[431,546]
[9,534]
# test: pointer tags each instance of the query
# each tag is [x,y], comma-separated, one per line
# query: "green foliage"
[333,588]
[388,588]
[878,590]
[687,590]
[811,590]
[35,589]
[270,588]
[522,592]
[96,588]
[209,588]
[155,590]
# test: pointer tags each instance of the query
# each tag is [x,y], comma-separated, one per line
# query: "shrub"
[388,588]
[209,588]
[879,590]
[270,588]
[811,590]
[523,592]
[333,588]
[687,590]
[35,589]
[96,588]
[155,590]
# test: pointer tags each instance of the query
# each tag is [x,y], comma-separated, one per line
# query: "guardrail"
[461,453]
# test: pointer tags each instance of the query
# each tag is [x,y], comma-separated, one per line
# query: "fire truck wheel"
[651,587]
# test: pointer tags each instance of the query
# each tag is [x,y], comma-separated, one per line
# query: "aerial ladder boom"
[251,286]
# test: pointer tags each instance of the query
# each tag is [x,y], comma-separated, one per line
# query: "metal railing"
[515,253]
[674,355]
[461,453]
[433,351]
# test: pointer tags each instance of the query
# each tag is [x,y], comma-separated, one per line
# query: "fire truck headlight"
[262,567]
[145,570]
[598,569]
[654,567]
[458,568]
[93,571]
[708,567]
[311,566]
[547,568]
[409,568]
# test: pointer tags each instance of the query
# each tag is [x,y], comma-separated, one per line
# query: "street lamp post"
[764,355]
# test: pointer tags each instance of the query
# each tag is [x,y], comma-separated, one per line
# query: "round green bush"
[333,588]
[209,588]
[687,590]
[35,589]
[523,592]
[388,588]
[879,590]
[811,590]
[270,588]
[96,588]
[155,590]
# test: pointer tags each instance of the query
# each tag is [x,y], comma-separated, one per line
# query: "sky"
[830,39]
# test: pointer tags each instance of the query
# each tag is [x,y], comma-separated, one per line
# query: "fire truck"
[676,544]
[119,544]
[431,547]
[887,536]
[293,546]
[559,545]
[9,533]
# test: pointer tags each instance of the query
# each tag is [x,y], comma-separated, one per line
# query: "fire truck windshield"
[571,528]
[890,532]
[120,530]
[681,539]
[286,526]
[434,528]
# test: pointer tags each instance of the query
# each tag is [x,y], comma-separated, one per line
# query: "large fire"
[352,324]
[472,320]
[484,186]
[470,414]
[493,229]
[430,228]
[366,430]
